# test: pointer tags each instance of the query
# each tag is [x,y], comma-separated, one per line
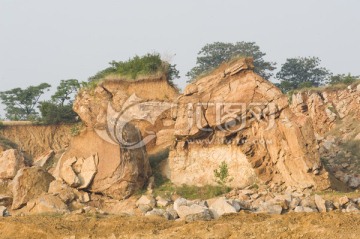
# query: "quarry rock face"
[334,114]
[235,116]
[122,120]
[144,102]
[11,161]
[327,107]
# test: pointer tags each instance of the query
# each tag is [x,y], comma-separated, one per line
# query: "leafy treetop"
[20,103]
[302,72]
[213,55]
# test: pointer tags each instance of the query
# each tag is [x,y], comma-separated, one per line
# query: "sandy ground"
[242,225]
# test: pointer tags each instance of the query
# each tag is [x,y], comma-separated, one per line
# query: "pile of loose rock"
[261,201]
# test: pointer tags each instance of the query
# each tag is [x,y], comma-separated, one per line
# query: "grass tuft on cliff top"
[147,66]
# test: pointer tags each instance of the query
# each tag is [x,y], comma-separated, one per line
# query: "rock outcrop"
[235,116]
[335,113]
[144,102]
[328,106]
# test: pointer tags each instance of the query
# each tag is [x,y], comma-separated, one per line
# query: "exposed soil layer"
[242,225]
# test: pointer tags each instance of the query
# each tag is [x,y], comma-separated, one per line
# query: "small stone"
[343,201]
[180,202]
[161,202]
[294,203]
[194,213]
[270,208]
[173,215]
[320,203]
[352,208]
[303,209]
[345,165]
[354,182]
[3,211]
[146,200]
[220,207]
[5,200]
[159,213]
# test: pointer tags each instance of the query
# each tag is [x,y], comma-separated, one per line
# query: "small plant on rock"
[222,176]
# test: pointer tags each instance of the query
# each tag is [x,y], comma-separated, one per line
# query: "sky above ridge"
[47,40]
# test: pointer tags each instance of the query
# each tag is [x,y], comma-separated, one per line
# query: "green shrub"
[53,113]
[149,64]
[221,175]
[76,129]
[343,79]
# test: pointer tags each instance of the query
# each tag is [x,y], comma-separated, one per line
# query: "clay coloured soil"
[242,225]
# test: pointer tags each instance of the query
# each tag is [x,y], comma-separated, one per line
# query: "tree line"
[295,73]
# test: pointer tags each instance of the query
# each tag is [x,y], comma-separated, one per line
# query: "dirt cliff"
[36,140]
[235,116]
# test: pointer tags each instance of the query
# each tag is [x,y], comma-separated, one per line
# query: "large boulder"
[100,166]
[11,161]
[235,116]
[29,183]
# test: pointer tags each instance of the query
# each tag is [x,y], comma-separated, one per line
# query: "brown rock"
[29,183]
[320,203]
[343,201]
[11,161]
[132,97]
[5,200]
[120,171]
[44,159]
[63,191]
[88,171]
[237,117]
[46,204]
[67,173]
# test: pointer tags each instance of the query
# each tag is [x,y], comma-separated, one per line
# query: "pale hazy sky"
[47,40]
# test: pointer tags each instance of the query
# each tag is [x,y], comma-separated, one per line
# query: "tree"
[20,103]
[65,91]
[214,54]
[302,72]
[59,109]
[343,79]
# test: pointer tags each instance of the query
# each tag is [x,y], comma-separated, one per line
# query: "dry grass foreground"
[242,225]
